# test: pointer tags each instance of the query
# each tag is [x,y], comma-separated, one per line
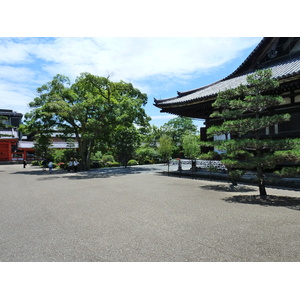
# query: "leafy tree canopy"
[243,114]
[90,108]
[178,127]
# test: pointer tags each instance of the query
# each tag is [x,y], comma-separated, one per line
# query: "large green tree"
[176,129]
[42,146]
[190,144]
[244,114]
[165,147]
[91,109]
[125,141]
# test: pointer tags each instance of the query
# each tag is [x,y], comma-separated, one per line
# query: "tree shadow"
[229,188]
[91,174]
[271,200]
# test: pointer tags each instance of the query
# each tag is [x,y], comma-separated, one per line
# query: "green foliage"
[235,175]
[112,164]
[146,155]
[63,155]
[35,163]
[165,147]
[96,156]
[125,141]
[191,146]
[288,172]
[107,158]
[132,162]
[211,155]
[91,109]
[42,146]
[97,164]
[151,135]
[244,113]
[176,129]
[59,155]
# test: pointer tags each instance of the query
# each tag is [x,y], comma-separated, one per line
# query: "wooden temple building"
[9,134]
[14,147]
[281,55]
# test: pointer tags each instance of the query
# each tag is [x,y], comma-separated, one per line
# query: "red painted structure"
[13,147]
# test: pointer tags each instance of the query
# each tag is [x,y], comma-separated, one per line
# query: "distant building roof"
[279,71]
[281,55]
[9,112]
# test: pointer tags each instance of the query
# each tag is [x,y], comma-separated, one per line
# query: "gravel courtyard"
[138,214]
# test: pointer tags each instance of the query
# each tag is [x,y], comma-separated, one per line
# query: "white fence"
[203,164]
[59,145]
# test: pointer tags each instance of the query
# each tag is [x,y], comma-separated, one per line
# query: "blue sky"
[161,47]
[158,66]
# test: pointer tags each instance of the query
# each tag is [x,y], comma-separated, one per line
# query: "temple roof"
[279,71]
[281,55]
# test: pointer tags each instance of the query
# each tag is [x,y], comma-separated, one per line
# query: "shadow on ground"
[271,200]
[228,188]
[94,173]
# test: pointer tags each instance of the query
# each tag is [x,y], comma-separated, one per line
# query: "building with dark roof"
[14,147]
[9,135]
[281,55]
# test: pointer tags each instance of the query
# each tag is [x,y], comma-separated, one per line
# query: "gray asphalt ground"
[140,215]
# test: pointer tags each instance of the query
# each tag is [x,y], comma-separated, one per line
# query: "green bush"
[97,164]
[112,164]
[288,172]
[106,158]
[35,163]
[96,156]
[148,161]
[236,175]
[132,162]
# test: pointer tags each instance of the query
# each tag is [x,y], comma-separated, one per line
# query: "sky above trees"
[157,66]
[161,48]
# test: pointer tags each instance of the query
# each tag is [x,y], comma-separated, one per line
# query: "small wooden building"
[9,135]
[281,55]
[14,147]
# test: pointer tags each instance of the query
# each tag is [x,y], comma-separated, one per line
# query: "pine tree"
[242,116]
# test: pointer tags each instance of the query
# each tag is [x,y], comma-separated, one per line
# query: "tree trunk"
[84,155]
[261,183]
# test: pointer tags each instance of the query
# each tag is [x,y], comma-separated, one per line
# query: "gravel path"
[138,214]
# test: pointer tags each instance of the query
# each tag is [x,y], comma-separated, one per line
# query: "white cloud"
[128,58]
[12,52]
[16,74]
[15,97]
[149,63]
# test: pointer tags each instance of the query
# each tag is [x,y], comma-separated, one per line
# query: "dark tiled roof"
[279,71]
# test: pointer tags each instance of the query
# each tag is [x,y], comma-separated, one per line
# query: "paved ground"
[138,214]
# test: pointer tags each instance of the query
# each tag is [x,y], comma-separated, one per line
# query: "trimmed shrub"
[95,164]
[107,158]
[35,163]
[112,164]
[288,172]
[132,162]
